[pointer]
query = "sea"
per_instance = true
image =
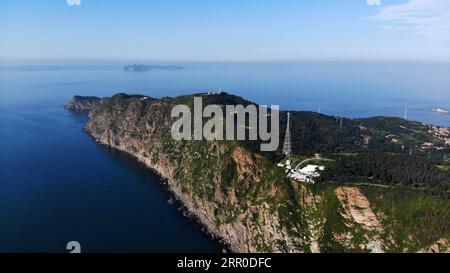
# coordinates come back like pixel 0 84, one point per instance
pixel 57 185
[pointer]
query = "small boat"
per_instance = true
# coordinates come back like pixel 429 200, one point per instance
pixel 440 111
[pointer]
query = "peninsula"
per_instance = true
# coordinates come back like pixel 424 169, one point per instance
pixel 384 186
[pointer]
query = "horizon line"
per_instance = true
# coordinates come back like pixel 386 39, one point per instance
pixel 137 60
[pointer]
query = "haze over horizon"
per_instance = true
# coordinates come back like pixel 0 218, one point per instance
pixel 386 30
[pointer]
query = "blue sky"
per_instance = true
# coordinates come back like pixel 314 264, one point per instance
pixel 225 30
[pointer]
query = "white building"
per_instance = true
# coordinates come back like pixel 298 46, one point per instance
pixel 306 174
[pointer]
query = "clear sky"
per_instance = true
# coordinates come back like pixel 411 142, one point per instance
pixel 225 30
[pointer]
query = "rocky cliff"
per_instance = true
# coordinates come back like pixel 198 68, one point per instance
pixel 242 198
pixel 80 103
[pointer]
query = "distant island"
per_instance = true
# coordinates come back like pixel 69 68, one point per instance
pixel 144 67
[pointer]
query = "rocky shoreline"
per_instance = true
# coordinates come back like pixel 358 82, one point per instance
pixel 173 197
pixel 184 200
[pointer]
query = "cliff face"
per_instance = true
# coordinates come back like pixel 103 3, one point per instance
pixel 245 200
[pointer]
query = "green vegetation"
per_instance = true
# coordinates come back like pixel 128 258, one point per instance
pixel 411 218
pixel 315 133
pixel 390 169
pixel 232 183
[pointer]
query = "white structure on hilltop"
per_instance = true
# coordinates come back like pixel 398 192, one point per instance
pixel 306 174
pixel 311 170
pixel 216 92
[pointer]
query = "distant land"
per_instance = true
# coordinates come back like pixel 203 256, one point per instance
pixel 144 67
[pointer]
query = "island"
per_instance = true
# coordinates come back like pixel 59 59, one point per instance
pixel 144 67
pixel 383 186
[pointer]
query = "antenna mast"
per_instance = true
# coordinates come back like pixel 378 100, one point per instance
pixel 287 149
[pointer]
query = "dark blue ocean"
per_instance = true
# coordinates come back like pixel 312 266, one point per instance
pixel 57 185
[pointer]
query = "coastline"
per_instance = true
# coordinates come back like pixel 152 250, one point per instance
pixel 180 200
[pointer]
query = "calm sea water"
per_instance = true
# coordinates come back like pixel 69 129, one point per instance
pixel 57 185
